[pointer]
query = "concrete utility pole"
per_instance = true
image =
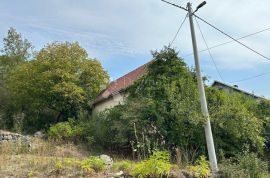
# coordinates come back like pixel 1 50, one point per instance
pixel 207 127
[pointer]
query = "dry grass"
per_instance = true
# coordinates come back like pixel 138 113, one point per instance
pixel 45 159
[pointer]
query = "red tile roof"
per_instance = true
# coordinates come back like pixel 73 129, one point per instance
pixel 121 83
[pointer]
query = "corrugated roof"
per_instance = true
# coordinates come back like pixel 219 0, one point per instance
pixel 121 83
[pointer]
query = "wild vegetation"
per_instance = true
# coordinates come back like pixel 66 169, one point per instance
pixel 170 114
pixel 55 85
pixel 159 127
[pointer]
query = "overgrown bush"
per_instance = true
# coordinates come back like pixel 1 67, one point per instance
pixel 60 79
pixel 125 165
pixel 163 110
pixel 69 131
pixel 253 166
pixel 245 165
pixel 157 166
pixel 87 166
pixel 61 131
pixel 95 163
pixel 234 123
pixel 201 168
pixel 230 169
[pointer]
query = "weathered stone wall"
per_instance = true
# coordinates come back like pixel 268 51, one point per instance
pixel 14 137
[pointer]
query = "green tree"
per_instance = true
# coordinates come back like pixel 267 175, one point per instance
pixel 170 91
pixel 263 112
pixel 163 109
pixel 16 50
pixel 15 46
pixel 62 79
pixel 235 126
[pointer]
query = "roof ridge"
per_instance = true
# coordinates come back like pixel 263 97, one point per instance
pixel 122 82
pixel 236 88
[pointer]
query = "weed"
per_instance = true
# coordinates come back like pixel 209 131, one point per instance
pixel 94 163
pixel 246 165
pixel 125 166
pixel 157 166
pixel 201 169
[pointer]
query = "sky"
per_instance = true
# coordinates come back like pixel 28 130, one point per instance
pixel 122 33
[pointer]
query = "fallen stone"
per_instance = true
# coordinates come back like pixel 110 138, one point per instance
pixel 39 134
pixel 108 160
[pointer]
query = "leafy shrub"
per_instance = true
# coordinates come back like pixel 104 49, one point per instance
pixel 253 166
pixel 58 167
pixel 125 166
pixel 235 126
pixel 157 166
pixel 247 165
pixel 201 169
pixel 230 169
pixel 60 131
pixel 87 166
pixel 168 89
pixel 94 163
pixel 66 131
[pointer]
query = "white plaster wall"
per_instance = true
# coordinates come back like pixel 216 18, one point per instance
pixel 109 103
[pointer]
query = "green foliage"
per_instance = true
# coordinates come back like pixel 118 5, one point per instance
pixel 79 167
pixel 71 130
pixel 163 109
pixel 16 51
pixel 110 130
pixel 125 165
pixel 86 166
pixel 263 112
pixel 201 169
pixel 95 163
pixel 60 81
pixel 235 126
pixel 16 47
pixel 58 167
pixel 157 166
pixel 61 131
pixel 245 165
pixel 253 166
pixel 168 92
pixel 230 169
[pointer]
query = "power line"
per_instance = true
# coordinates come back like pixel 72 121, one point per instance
pixel 210 54
pixel 253 50
pixel 174 38
pixel 221 44
pixel 251 77
pixel 175 5
pixel 182 3
pixel 233 39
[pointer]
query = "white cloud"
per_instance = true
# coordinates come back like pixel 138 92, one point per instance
pixel 127 27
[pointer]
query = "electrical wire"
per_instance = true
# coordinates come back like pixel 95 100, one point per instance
pixel 253 50
pixel 251 77
pixel 175 5
pixel 233 40
pixel 180 4
pixel 221 44
pixel 236 40
pixel 210 54
pixel 175 36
